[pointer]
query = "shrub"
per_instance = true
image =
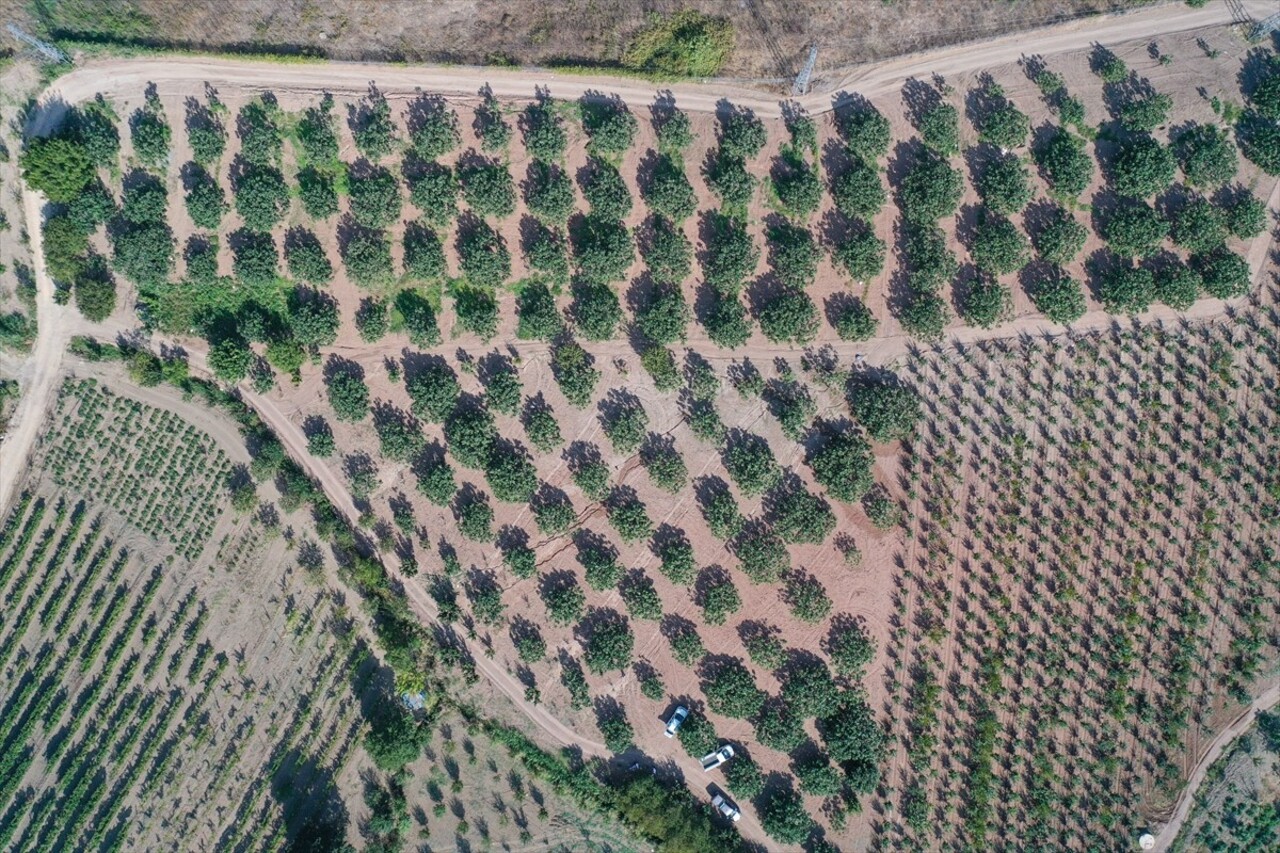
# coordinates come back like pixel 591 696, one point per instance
pixel 641 598
pixel 1142 167
pixel 206 202
pixel 687 648
pixel 793 255
pixel 789 317
pixel 854 321
pixel 592 477
pixel 726 322
pixel 850 647
pixel 313 317
pixel 666 251
pixel 435 480
pixel 930 190
pixel 1059 297
pixel 625 422
pixel 66 249
pixel 1146 114
pixel 783 817
pixel 95 291
pixel 750 462
pixel 554 514
pixel 1178 286
pixel 803 517
pixel 729 178
pixel 665 466
pixel 419 318
pixel 548 192
pixel 842 464
pixel 1108 66
pixel 797 185
pixel 94 127
pixel 741 134
pixel 1199 226
pixel 348 395
pixel 925 316
pixel 315 131
pixel 511 475
pixel 374 195
pixel 150 133
pixel 371 320
pixel 423 253
pixel 628 515
pixel 718 598
pixel 1259 141
pixel 865 131
pixel 806 596
pixel 743 778
pixel 367 257
pixel 571 366
pixel 489 125
pixel 433 127
pixel 852 735
pixel 761 552
pixel 1003 185
pixel 544 135
pixel 861 253
pixel 610 126
pixel 502 389
pixel 92 207
pixel 1246 216
pixel 1206 155
pixel 595 311
pixel 371 125
pixel 434 390
pixel 674 133
pixel 522 562
pixel 1224 273
pixel 764 648
pixel 731 690
pixel 1127 290
pixel 986 303
pixel 306 257
pixel 999 247
pixel 858 191
pixel 1004 126
pixel 433 189
pixel 603 250
pixel 256 259
pixel 475 517
pixel 779 728
pixel 719 509
pixel 730 254
pixel 685 44
pixel 317 192
pixel 940 129
pixel 675 554
pixel 482 255
pixel 544 251
pixel 487 187
pixel 605 191
pixel 563 598
pixel 1066 166
pixel 617 732
pixel 816 775
pixel 808 688
pixel 610 642
pixel 57 166
pixel 1134 229
pixel 229 359
pixel 261 197
pixel 668 191
pixel 663 316
pixel 1060 238
pixel 660 364
pixel 143 252
pixel 886 409
pixel 470 433
pixel 881 509
pixel 539 320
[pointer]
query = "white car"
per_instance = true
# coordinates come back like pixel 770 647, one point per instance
pixel 677 718
pixel 726 808
pixel 715 759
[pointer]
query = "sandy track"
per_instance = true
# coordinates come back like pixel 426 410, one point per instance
pixel 1169 832
pixel 57 324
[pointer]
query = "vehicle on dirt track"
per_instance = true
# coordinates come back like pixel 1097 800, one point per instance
pixel 715 759
pixel 726 808
pixel 678 717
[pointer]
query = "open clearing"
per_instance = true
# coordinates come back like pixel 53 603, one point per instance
pixel 599 563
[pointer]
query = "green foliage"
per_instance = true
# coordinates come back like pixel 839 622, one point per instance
pixel 668 192
pixel 790 316
pixel 865 131
pixel 572 367
pixel 685 44
pixel 502 389
pixel 371 125
pixel 797 185
pixel 144 199
pixel 255 258
pixel 261 197
pixel 595 311
pixel 433 127
pixel 1004 126
pixel 858 191
pixel 940 129
pixel 1127 290
pixel 720 510
pixel 610 126
pixel 666 251
pixel 318 193
pixel 762 553
pixel 887 409
pixel 610 642
pixel 625 422
pixel 1064 163
pixel 348 395
pixel 419 318
pixel 1146 114
pixel 260 140
pixel 605 191
pixel 592 477
pixel 150 134
pixel 731 690
pixel 1199 226
pixel 687 648
pixel 487 187
pixel 779 728
pixel 930 190
pixel 1060 238
pixel 563 599
pixel 617 732
pixel 925 316
pixel 861 253
pixel 881 509
pixel 628 515
pixel 807 687
pixel 730 179
pixel 95 128
pixel 850 647
pixel 393 739
pixel 842 464
pixel 1003 185
pixel 95 291
pixel 1178 286
pixel 1142 167
pixel 435 481
pixel 374 194
pixel 854 321
pixel 544 134
pixel 548 192
pixel 640 596
pixel 1259 141
pixel 57 166
pixel 730 254
pixel 511 475
pixel 367 257
pixel 603 249
pixel 1134 229
pixel 66 248
pixel 229 359
pixel 1246 216
pixel 482 255
pixel 1108 66
pixel 522 562
pixel 489 125
pixel 92 207
pixel 674 132
pixel 475 517
pixel 313 317
pixel 726 322
pixel 741 133
pixel 470 433
pixel 316 134
pixel 664 315
pixel 539 319
pixel 143 252
pixel 372 321
pixel 801 516
pixel 986 303
pixel 433 189
pixel 806 596
pixel 719 599
pixel 1224 273
pixel 793 254
pixel 1059 297
pixel 743 778
pixel 665 466
pixel 675 554
pixel 750 462
pixel 434 390
pixel 783 817
pixel 423 253
pixel 206 202
pixel 928 257
pixel 816 775
pixel 306 257
pixel 554 514
pixel 545 253
pixel 851 733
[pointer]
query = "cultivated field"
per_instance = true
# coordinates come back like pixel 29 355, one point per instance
pixel 600 378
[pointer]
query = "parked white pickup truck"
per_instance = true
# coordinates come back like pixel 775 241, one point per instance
pixel 715 759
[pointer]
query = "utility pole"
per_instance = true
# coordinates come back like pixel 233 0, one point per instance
pixel 801 86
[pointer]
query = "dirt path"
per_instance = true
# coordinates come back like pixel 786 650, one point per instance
pixel 1169 832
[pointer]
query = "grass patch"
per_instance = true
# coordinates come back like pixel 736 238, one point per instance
pixel 686 44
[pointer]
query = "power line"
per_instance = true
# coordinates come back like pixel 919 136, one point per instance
pixel 45 49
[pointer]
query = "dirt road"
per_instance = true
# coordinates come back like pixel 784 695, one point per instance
pixel 1169 832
